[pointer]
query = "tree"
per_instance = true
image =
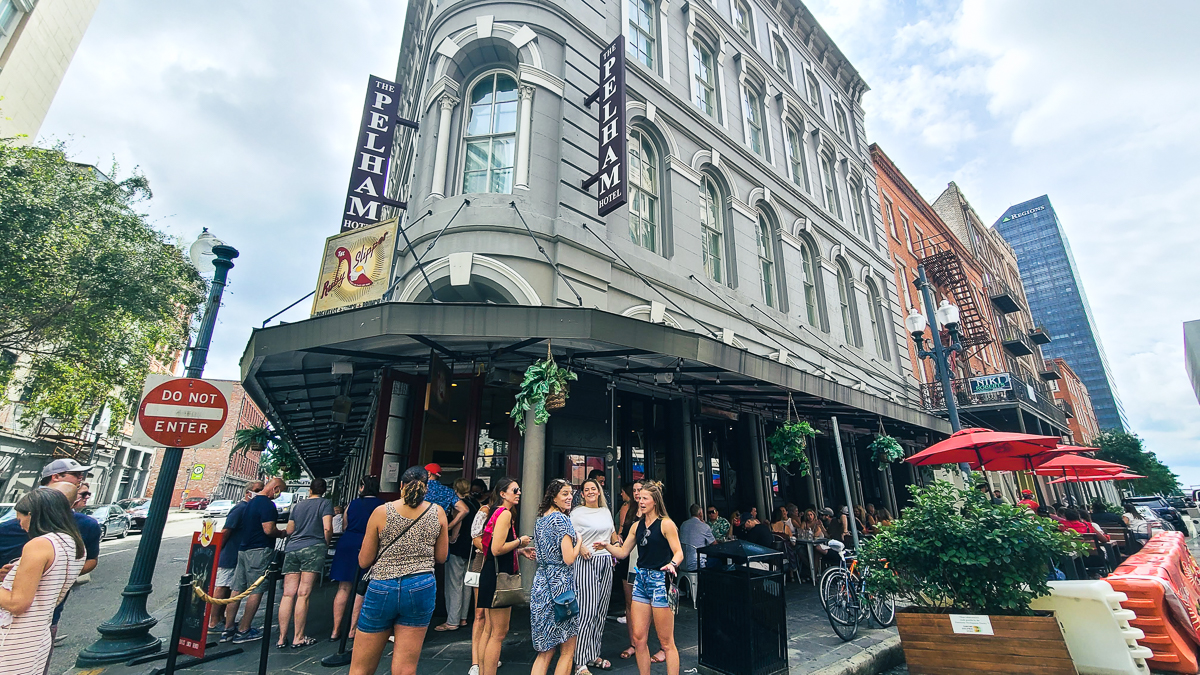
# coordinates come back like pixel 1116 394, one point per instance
pixel 88 289
pixel 1126 448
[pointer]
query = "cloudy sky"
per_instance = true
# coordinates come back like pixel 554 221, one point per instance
pixel 243 116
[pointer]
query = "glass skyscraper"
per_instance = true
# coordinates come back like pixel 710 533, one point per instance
pixel 1058 302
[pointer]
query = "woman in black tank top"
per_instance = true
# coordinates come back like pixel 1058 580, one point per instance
pixel 659 556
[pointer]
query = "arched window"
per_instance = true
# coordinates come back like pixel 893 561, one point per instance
pixel 829 182
pixel 644 189
pixel 712 229
pixel 811 294
pixel 744 20
pixel 783 58
pixel 755 135
pixel 879 323
pixel 704 79
pixel 797 160
pixel 491 135
pixel 814 93
pixel 839 120
pixel 848 305
pixel 642 31
pixel 856 208
pixel 766 261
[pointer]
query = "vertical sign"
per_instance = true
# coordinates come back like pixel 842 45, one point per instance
pixel 614 182
pixel 202 565
pixel 368 178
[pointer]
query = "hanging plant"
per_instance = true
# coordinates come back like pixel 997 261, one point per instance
pixel 885 450
pixel 253 438
pixel 543 389
pixel 788 443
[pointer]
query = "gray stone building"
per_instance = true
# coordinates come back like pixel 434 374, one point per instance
pixel 746 280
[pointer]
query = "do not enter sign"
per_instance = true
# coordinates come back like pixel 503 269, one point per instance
pixel 182 412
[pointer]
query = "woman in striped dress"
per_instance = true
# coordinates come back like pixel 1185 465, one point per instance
pixel 37 581
pixel 593 571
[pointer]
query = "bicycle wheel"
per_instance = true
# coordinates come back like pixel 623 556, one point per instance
pixel 843 608
pixel 883 609
pixel 826 579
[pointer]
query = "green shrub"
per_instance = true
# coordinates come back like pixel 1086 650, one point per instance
pixel 788 443
pixel 954 551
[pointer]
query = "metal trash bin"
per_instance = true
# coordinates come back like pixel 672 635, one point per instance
pixel 743 618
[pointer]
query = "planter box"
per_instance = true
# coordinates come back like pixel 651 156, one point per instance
pixel 1020 644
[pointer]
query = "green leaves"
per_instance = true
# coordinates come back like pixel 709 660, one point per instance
pixel 277 458
pixel 955 550
pixel 788 443
pixel 885 450
pixel 542 379
pixel 1126 448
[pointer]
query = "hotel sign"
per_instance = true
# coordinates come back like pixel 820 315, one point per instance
pixel 368 177
pixel 356 268
pixel 612 155
pixel 988 384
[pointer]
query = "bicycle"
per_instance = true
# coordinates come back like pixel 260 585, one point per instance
pixel 847 600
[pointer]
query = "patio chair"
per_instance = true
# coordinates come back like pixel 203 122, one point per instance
pixel 1102 559
pixel 790 557
pixel 1120 538
pixel 692 578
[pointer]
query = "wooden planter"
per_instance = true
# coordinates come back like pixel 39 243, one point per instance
pixel 1020 644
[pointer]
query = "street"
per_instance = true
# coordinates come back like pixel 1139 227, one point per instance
pixel 94 603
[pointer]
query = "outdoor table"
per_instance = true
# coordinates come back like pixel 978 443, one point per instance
pixel 811 546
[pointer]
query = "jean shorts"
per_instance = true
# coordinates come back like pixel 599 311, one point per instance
pixel 407 601
pixel 650 587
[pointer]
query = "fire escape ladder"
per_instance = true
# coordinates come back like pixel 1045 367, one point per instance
pixel 945 270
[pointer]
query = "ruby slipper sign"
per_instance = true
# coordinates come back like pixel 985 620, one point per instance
pixel 182 412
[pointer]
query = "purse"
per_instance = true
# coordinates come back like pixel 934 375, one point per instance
pixel 474 567
pixel 565 606
pixel 672 592
pixel 509 591
pixel 365 579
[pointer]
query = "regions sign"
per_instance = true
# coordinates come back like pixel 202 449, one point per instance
pixel 613 158
pixel 988 384
pixel 356 268
pixel 182 412
pixel 368 177
pixel 1022 214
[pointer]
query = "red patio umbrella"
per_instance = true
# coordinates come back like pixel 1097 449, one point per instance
pixel 1096 479
pixel 978 446
pixel 1077 466
pixel 1022 460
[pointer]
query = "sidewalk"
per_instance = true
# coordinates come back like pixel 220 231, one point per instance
pixel 812 644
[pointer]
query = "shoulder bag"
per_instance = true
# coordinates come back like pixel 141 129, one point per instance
pixel 365 579
pixel 509 590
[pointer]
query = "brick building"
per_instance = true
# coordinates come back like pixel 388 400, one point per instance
pixel 1072 395
pixel 225 472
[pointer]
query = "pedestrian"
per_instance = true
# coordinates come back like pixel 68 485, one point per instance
pixel 309 529
pixel 39 580
pixel 628 517
pixel 255 551
pixel 556 547
pixel 403 541
pixel 1102 516
pixel 695 534
pixel 1027 500
pixel 479 627
pixel 61 470
pixel 500 542
pixel 457 594
pixel 445 497
pixel 339 520
pixel 345 558
pixel 659 556
pixel 89 531
pixel 227 564
pixel 596 475
pixel 593 572
pixel 998 498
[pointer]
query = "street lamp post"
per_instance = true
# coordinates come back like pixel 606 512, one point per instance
pixel 127 634
pixel 945 315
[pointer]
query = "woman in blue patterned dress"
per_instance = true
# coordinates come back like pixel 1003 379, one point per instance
pixel 557 547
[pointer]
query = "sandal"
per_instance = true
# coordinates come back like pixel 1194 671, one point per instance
pixel 628 653
pixel 659 657
pixel 306 642
pixel 583 670
pixel 445 627
pixel 280 645
pixel 602 664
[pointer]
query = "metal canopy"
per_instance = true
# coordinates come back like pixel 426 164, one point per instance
pixel 288 370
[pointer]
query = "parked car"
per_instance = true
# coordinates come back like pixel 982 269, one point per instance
pixel 1163 508
pixel 112 518
pixel 195 503
pixel 138 509
pixel 219 508
pixel 283 503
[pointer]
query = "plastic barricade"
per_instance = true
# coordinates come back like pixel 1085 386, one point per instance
pixel 1096 628
pixel 1162 585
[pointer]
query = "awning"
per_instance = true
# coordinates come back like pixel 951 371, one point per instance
pixel 288 369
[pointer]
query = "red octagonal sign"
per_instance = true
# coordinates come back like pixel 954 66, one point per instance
pixel 183 412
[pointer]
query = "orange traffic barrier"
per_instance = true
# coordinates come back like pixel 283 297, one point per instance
pixel 1162 582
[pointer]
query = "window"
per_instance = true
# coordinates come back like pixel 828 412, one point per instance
pixel 754 121
pixel 829 178
pixel 919 239
pixel 783 58
pixel 711 228
pixel 491 135
pixel 879 324
pixel 644 191
pixel 797 161
pixel 814 94
pixel 8 12
pixel 839 118
pixel 849 306
pixel 704 80
pixel 642 31
pixel 890 216
pixel 810 284
pixel 766 261
pixel 907 231
pixel 744 20
pixel 856 209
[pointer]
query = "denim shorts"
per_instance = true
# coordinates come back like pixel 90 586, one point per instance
pixel 650 587
pixel 407 601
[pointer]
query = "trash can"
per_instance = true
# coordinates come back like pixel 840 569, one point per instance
pixel 743 619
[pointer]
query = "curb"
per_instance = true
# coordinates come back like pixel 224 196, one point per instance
pixel 874 659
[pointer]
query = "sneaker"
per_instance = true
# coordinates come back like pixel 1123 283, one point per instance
pixel 474 670
pixel 228 635
pixel 249 636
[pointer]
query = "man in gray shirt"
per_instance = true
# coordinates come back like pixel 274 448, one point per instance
pixel 309 530
pixel 694 533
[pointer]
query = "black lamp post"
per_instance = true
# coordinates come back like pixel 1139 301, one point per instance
pixel 945 315
pixel 127 634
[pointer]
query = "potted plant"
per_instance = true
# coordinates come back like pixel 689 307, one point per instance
pixel 278 458
pixel 543 389
pixel 788 443
pixel 885 450
pixel 971 569
pixel 252 438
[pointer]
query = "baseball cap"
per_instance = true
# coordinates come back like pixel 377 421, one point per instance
pixel 846 509
pixel 65 465
pixel 1027 492
pixel 827 511
pixel 433 467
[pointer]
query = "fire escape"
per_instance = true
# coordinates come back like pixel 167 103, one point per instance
pixel 945 271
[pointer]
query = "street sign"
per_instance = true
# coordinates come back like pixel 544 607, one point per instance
pixel 182 412
pixel 202 565
pixel 197 472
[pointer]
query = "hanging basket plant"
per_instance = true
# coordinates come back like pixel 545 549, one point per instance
pixel 885 450
pixel 543 389
pixel 787 446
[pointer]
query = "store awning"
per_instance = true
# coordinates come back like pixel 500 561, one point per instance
pixel 288 370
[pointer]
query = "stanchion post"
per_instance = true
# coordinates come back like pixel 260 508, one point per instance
pixel 185 592
pixel 341 658
pixel 272 576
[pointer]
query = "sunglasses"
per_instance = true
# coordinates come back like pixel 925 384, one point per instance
pixel 516 491
pixel 84 495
